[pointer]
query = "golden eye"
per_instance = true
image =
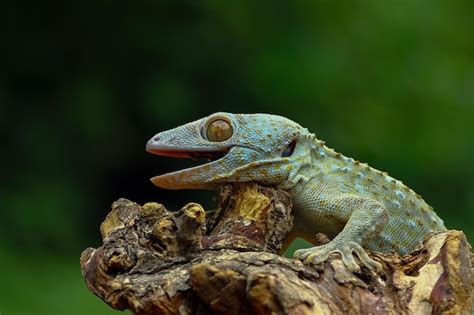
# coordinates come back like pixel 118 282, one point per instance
pixel 219 130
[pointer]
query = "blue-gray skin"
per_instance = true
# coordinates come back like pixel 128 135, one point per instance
pixel 354 204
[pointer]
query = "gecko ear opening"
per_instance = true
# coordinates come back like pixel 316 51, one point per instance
pixel 288 151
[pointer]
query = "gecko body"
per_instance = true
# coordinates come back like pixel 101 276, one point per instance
pixel 354 204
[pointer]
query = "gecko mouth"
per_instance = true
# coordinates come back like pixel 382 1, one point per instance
pixel 208 155
pixel 194 177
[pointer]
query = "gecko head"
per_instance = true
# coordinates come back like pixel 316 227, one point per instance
pixel 263 148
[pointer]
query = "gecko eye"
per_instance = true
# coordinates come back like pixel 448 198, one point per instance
pixel 289 149
pixel 218 131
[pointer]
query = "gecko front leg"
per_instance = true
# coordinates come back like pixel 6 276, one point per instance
pixel 364 217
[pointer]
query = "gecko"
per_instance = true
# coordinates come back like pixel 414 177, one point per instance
pixel 355 205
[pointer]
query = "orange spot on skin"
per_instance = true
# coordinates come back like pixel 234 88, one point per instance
pixel 263 172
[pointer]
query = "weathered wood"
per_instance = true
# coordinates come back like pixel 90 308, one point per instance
pixel 153 261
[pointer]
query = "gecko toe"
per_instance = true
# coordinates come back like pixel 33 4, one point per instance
pixel 365 259
pixel 351 248
pixel 349 260
pixel 302 253
pixel 313 255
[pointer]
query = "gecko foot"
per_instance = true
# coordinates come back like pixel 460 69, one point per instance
pixel 319 254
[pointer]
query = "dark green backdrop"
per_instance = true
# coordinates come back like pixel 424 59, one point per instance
pixel 84 84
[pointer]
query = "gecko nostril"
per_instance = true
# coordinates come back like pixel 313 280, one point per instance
pixel 156 139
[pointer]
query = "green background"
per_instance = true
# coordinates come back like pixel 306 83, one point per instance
pixel 84 85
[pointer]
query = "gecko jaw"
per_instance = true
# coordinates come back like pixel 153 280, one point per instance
pixel 185 178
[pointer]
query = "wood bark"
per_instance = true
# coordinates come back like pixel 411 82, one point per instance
pixel 153 261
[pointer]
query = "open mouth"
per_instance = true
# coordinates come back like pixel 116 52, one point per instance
pixel 208 155
pixel 194 177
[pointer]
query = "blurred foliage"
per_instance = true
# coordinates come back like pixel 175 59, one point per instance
pixel 85 84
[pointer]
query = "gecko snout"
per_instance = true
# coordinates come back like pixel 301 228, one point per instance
pixel 151 143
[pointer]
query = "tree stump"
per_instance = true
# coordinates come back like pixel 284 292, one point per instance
pixel 153 261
